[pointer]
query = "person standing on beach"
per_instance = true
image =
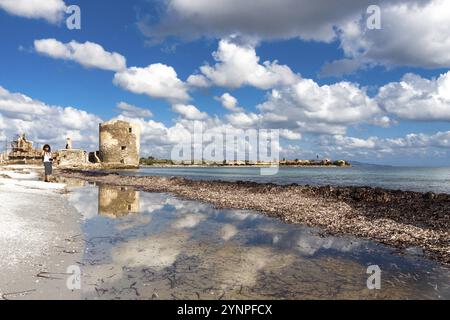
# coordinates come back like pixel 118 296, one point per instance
pixel 48 162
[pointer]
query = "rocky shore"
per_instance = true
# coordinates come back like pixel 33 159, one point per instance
pixel 398 218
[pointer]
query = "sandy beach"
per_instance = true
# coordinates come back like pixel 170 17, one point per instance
pixel 39 236
pixel 397 218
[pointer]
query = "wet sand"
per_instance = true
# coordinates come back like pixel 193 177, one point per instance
pixel 397 218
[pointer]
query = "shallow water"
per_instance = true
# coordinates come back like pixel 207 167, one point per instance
pixel 155 246
pixel 402 178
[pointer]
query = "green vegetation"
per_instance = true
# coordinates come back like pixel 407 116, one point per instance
pixel 323 162
pixel 151 161
pixel 341 163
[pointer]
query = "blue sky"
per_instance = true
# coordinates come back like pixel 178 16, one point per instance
pixel 391 106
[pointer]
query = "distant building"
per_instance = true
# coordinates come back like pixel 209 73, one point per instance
pixel 22 144
pixel 22 150
pixel 119 143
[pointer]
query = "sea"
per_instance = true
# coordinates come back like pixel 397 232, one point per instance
pixel 420 179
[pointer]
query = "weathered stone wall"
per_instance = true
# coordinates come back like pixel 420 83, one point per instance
pixel 71 157
pixel 23 151
pixel 26 156
pixel 22 144
pixel 119 143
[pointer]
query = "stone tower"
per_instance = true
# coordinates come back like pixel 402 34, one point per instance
pixel 120 143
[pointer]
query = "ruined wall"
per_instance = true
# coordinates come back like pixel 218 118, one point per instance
pixel 119 143
pixel 71 157
pixel 23 151
pixel 22 144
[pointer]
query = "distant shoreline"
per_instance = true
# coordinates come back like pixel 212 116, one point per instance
pixel 238 166
pixel 245 164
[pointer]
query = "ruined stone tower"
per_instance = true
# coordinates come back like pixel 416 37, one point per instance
pixel 120 143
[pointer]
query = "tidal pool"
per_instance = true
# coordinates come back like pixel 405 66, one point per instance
pixel 143 245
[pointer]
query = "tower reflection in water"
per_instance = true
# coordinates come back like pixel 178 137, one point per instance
pixel 115 202
pixel 210 253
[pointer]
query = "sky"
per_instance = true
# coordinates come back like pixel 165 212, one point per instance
pixel 324 73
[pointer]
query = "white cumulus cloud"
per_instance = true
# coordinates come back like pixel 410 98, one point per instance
pixel 156 81
pixel 88 54
pixel 238 65
pixel 310 107
pixel 417 98
pixel 50 10
pixel 189 112
pixel 229 102
pixel 129 110
pixel 45 123
pixel 243 119
pixel 413 33
pixel 412 143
